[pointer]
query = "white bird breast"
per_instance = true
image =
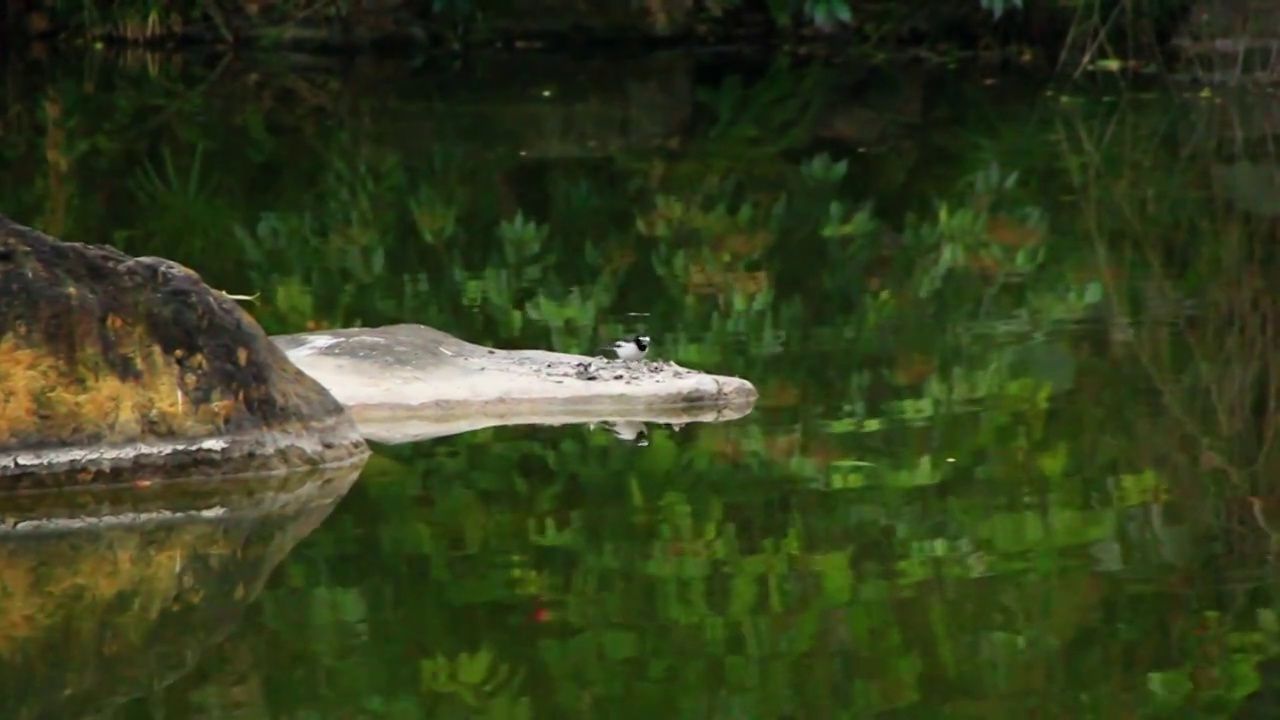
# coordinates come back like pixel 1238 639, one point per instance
pixel 627 350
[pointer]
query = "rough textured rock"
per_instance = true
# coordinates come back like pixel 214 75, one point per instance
pixel 109 361
pixel 111 592
pixel 404 382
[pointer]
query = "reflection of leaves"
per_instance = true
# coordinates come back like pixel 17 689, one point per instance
pixel 821 168
pixel 773 114
pixel 1013 532
pixel 521 238
pixel 151 185
pixel 620 645
pixel 437 220
pixel 857 226
pixel 292 301
pixel 478 680
pixel 181 204
pixel 572 319
pixel 827 14
pixel 1131 489
pixel 973 237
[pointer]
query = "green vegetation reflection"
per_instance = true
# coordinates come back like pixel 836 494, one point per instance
pixel 995 469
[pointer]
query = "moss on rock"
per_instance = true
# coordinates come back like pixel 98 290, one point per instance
pixel 108 361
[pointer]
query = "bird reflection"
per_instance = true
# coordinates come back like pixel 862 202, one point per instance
pixel 632 431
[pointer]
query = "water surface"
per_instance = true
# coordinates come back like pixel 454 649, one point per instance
pixel 1013 345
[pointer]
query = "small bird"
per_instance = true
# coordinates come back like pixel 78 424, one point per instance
pixel 633 348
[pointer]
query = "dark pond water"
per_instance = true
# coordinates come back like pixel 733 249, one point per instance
pixel 1014 347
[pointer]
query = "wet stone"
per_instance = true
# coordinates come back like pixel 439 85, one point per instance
pixel 109 361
